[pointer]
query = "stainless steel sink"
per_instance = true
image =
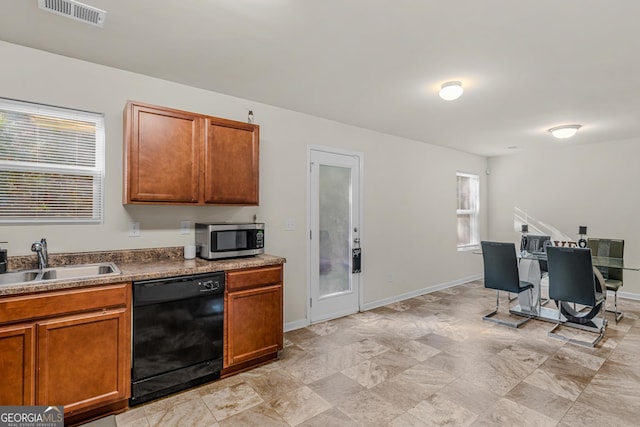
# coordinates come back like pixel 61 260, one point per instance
pixel 18 277
pixel 67 272
pixel 77 271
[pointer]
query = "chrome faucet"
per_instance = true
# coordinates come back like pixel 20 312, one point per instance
pixel 40 248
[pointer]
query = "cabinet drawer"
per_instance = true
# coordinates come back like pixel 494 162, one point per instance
pixel 19 308
pixel 245 279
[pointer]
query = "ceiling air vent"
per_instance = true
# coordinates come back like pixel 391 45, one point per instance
pixel 75 10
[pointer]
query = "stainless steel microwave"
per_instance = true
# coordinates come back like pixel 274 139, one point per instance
pixel 223 240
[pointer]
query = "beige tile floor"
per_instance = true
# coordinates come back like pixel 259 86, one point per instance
pixel 426 361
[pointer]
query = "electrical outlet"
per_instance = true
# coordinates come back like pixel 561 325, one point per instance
pixel 134 229
pixel 185 227
pixel 290 225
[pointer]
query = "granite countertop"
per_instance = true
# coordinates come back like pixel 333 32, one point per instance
pixel 137 264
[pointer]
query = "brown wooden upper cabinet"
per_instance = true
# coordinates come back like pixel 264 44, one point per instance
pixel 177 157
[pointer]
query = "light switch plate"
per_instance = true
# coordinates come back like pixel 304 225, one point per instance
pixel 290 225
pixel 185 227
pixel 134 229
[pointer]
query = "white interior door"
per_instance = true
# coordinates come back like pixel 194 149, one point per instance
pixel 334 219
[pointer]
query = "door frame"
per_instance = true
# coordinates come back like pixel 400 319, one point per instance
pixel 360 283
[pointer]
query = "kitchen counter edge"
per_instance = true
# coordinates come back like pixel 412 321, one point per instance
pixel 135 271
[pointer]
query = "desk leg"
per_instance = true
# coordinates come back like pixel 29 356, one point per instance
pixel 529 271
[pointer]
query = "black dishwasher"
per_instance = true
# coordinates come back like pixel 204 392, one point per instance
pixel 177 334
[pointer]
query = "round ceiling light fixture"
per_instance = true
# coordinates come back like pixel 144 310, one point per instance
pixel 450 91
pixel 564 131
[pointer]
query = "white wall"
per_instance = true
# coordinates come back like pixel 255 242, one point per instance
pixel 593 185
pixel 409 228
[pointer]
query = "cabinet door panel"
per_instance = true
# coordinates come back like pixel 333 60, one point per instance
pixel 254 322
pixel 84 361
pixel 163 149
pixel 17 365
pixel 231 165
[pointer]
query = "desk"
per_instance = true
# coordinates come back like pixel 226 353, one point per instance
pixel 597 261
pixel 529 270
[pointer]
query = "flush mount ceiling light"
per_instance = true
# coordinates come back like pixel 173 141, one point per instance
pixel 451 90
pixel 564 131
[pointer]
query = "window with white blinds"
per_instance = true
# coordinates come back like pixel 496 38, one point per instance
pixel 51 164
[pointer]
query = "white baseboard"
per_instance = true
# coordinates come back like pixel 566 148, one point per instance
pixel 629 295
pixel 302 323
pixel 296 324
pixel 418 292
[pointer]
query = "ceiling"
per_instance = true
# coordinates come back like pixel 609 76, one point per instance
pixel 526 66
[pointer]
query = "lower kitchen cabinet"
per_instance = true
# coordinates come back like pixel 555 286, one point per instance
pixel 70 348
pixel 81 360
pixel 17 365
pixel 253 317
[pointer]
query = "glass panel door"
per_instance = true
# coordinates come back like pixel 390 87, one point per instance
pixel 334 220
pixel 335 236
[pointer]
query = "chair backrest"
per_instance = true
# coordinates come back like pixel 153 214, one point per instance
pixel 500 266
pixel 571 275
pixel 611 248
pixel 535 243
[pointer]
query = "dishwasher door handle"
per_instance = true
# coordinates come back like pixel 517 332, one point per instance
pixel 209 286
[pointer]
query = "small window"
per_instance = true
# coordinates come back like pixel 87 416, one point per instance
pixel 51 164
pixel 468 211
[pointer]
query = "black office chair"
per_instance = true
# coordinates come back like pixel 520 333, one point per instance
pixel 501 274
pixel 572 279
pixel 610 248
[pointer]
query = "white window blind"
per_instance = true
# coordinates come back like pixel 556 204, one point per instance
pixel 468 211
pixel 51 164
